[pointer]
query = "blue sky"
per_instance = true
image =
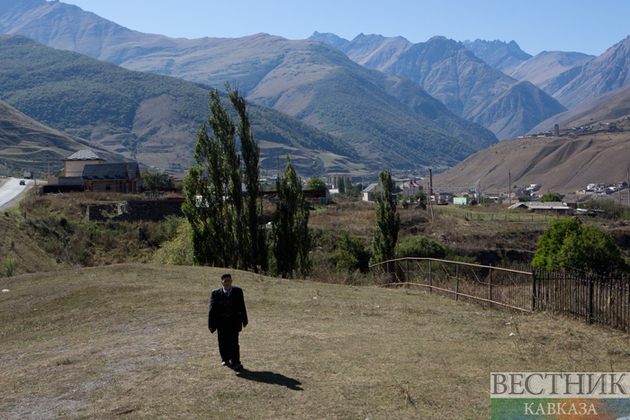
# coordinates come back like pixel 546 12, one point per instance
pixel 586 26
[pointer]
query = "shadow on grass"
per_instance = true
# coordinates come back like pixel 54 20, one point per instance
pixel 271 378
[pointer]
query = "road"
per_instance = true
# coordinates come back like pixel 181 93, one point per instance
pixel 10 189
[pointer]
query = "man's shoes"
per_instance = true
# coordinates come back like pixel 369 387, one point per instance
pixel 228 364
pixel 237 367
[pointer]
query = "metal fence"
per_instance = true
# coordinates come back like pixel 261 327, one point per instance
pixel 485 284
pixel 596 299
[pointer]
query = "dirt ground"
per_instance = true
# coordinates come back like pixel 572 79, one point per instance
pixel 131 341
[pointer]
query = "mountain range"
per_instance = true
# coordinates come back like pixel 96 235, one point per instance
pixel 362 105
pixel 384 118
pixel 451 73
pixel 149 117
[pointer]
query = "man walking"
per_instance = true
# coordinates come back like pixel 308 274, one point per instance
pixel 226 316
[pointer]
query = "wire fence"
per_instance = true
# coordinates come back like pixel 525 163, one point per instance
pixel 593 298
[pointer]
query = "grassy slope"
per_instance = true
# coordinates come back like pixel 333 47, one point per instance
pixel 132 339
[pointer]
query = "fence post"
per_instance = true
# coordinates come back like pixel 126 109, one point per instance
pixel 430 278
pixel 457 284
pixel 533 290
pixel 589 315
pixel 407 274
pixel 490 286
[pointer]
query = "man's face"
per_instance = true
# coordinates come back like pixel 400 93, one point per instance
pixel 227 283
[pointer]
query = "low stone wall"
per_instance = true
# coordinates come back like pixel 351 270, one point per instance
pixel 149 210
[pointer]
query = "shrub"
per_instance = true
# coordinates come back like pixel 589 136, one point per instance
pixel 351 254
pixel 177 251
pixel 613 209
pixel 550 197
pixel 9 266
pixel 422 247
pixel 568 244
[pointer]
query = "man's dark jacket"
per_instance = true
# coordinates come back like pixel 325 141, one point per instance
pixel 227 312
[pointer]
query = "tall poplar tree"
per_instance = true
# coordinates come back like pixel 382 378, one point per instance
pixel 214 196
pixel 291 238
pixel 385 232
pixel 255 250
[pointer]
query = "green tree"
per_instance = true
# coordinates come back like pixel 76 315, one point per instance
pixel 255 250
pixel 387 221
pixel 568 244
pixel 342 185
pixel 213 187
pixel 154 181
pixel 291 238
pixel 422 247
pixel 316 184
pixel 351 254
pixel 550 197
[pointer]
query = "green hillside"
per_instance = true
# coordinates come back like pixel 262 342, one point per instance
pixel 145 116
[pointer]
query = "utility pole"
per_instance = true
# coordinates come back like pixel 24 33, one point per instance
pixel 510 186
pixel 431 193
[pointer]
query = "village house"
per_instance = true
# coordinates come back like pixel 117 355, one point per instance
pixel 112 177
pixel 411 188
pixel 371 192
pixel 73 164
pixel 545 207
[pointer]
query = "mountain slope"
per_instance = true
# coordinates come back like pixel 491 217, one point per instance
pixel 451 73
pixel 582 112
pixel 150 117
pixel 372 51
pixel 295 77
pixel 544 69
pixel 497 54
pixel 607 72
pixel 25 143
pixel 560 165
pixel 472 89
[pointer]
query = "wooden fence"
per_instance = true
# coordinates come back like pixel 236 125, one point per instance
pixel 596 299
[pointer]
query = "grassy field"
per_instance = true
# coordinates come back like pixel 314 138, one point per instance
pixel 131 341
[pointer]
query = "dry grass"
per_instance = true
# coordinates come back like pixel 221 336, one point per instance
pixel 131 340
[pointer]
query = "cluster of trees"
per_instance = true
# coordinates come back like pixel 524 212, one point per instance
pixel 225 223
pixel 567 244
pixel 348 189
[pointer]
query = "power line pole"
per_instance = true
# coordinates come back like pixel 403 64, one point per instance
pixel 510 187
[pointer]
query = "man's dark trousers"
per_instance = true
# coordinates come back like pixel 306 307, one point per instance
pixel 228 345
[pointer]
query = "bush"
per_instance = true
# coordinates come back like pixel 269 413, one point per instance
pixel 613 209
pixel 177 251
pixel 568 244
pixel 422 247
pixel 351 254
pixel 9 266
pixel 550 197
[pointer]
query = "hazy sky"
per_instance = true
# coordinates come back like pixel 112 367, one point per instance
pixel 587 26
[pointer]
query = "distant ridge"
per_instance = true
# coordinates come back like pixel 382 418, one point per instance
pixel 500 55
pixel 463 82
